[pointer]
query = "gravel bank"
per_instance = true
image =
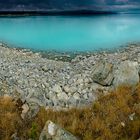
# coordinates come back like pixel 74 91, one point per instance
pixel 57 84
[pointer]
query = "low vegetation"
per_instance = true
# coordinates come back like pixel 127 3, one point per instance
pixel 115 116
pixel 10 120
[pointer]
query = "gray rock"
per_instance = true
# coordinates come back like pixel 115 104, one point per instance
pixel 61 103
pixel 85 96
pixel 62 96
pixel 73 89
pixel 52 131
pixel 94 87
pixel 72 102
pixel 79 81
pixel 57 89
pixel 102 73
pixel 33 110
pixel 76 96
pixel 66 89
pixel 25 109
pixel 45 68
pixel 49 103
pixel 126 74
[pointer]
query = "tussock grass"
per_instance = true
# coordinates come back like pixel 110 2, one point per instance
pixel 115 116
pixel 10 120
pixel 109 118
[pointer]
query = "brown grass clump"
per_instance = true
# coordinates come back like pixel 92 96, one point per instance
pixel 9 118
pixel 115 116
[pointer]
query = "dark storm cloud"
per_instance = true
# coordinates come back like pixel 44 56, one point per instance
pixel 110 2
pixel 70 4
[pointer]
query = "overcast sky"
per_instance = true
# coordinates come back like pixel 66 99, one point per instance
pixel 100 4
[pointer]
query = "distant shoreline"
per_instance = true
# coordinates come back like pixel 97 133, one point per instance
pixel 67 56
pixel 55 13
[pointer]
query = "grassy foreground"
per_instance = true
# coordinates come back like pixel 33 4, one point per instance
pixel 115 116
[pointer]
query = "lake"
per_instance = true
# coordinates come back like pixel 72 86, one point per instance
pixel 70 33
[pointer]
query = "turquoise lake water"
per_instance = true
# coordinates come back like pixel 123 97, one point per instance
pixel 70 33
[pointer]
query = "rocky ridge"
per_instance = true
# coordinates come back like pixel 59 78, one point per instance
pixel 54 84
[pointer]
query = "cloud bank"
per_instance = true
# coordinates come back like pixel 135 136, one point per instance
pixel 70 4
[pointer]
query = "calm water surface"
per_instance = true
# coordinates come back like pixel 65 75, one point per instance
pixel 68 33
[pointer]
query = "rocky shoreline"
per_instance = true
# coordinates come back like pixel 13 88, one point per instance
pixel 39 81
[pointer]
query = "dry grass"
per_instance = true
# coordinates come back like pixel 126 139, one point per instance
pixel 9 118
pixel 109 118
